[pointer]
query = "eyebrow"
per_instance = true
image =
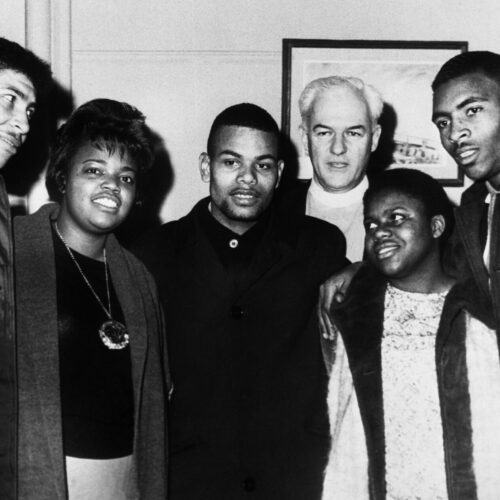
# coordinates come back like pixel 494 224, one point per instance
pixel 103 162
pixel 93 160
pixel 21 94
pixel 237 155
pixel 460 106
pixel 129 168
pixel 320 125
pixel 353 127
pixel 357 127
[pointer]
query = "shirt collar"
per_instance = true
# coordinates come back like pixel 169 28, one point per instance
pixel 351 197
pixel 491 192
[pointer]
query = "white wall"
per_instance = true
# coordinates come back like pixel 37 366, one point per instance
pixel 183 61
pixel 12 20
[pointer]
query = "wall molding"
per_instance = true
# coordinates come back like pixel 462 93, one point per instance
pixel 48 34
pixel 177 53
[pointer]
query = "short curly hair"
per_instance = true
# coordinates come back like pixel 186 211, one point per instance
pixel 106 124
pixel 465 63
pixel 17 58
pixel 242 115
pixel 416 185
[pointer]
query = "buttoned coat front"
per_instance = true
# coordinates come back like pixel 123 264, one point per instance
pixel 248 412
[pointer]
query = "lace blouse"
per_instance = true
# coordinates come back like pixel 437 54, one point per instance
pixel 414 450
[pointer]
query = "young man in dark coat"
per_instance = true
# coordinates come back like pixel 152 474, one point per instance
pixel 23 80
pixel 239 285
pixel 466 111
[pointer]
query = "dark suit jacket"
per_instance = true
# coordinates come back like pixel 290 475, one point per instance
pixel 8 382
pixel 291 197
pixel 249 406
pixel 465 251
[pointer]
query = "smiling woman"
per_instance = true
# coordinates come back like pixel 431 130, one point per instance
pixel 414 366
pixel 90 329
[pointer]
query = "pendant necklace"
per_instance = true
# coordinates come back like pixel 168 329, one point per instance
pixel 112 333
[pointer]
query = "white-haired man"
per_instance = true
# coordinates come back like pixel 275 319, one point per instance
pixel 340 130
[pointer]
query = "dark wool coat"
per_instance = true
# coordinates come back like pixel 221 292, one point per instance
pixel 248 414
pixel 360 321
pixel 291 196
pixel 41 460
pixel 7 355
pixel 466 248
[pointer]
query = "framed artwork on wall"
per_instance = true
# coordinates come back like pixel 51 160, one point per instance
pixel 402 71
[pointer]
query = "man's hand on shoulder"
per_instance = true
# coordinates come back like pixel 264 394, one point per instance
pixel 333 289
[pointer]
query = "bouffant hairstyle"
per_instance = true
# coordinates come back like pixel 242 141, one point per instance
pixel 108 125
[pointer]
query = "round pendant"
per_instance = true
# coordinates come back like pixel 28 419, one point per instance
pixel 113 334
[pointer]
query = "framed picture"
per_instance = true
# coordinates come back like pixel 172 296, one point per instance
pixel 402 71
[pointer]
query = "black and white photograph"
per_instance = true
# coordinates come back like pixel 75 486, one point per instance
pixel 249 250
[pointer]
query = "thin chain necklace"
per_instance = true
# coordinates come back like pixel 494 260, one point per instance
pixel 112 333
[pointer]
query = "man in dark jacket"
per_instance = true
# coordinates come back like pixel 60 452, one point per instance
pixel 466 111
pixel 23 77
pixel 239 285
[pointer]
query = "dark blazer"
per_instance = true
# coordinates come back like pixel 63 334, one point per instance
pixel 249 407
pixel 41 459
pixel 291 197
pixel 466 246
pixel 8 431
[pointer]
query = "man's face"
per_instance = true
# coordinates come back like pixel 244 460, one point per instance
pixel 339 138
pixel 17 105
pixel 243 174
pixel 466 111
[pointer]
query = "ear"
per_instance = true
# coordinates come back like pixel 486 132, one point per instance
pixel 281 165
pixel 204 166
pixel 438 225
pixel 377 130
pixel 305 139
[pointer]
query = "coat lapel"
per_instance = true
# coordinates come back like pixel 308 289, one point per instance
pixel 132 304
pixel 468 220
pixel 40 437
pixel 270 253
pixel 360 319
pixel 198 256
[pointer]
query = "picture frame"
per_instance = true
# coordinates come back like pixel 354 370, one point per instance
pixel 402 71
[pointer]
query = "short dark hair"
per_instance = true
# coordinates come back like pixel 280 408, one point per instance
pixel 106 124
pixel 242 115
pixel 465 63
pixel 419 186
pixel 17 58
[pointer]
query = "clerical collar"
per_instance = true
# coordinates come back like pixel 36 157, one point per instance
pixel 491 191
pixel 351 197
